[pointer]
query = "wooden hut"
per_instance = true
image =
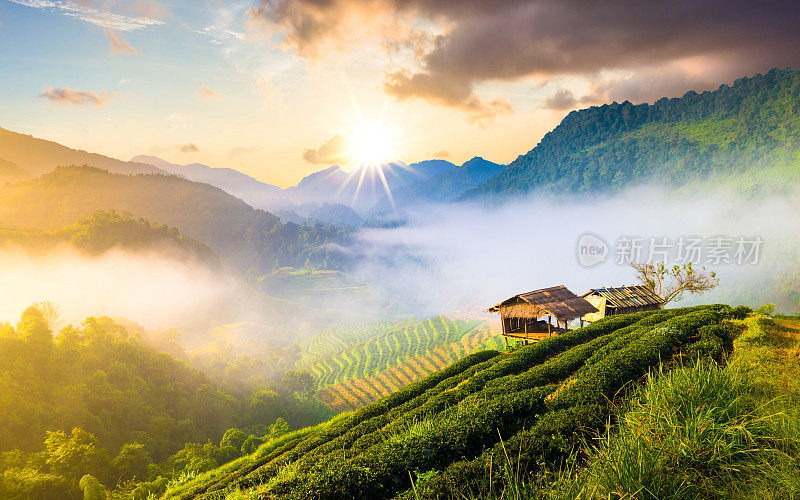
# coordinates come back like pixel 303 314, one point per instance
pixel 523 315
pixel 623 300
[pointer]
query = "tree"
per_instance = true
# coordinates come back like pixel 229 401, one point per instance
pixel 92 489
pixel 670 283
pixel 75 455
pixel 131 462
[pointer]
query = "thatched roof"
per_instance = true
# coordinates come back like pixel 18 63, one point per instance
pixel 627 296
pixel 555 301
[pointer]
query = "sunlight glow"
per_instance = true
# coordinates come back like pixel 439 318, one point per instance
pixel 371 145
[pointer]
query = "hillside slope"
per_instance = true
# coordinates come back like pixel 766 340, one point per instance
pixel 541 400
pixel 11 173
pixel 246 236
pixel 105 230
pixel 747 134
pixel 39 156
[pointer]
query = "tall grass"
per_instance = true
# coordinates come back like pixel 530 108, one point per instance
pixel 700 431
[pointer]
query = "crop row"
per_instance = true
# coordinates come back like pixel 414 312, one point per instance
pixel 349 394
pixel 542 399
pixel 391 347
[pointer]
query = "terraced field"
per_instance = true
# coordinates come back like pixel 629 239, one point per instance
pixel 441 436
pixel 354 366
pixel 353 394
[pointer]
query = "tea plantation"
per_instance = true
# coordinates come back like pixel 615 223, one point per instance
pixel 436 437
pixel 356 364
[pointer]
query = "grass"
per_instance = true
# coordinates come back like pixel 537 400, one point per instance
pixel 697 431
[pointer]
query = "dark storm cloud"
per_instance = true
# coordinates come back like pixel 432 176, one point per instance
pixel 511 39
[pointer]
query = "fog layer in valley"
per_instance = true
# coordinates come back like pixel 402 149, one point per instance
pixel 150 288
pixel 468 256
pixel 447 258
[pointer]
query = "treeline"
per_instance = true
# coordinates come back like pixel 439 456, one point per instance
pixel 750 127
pixel 107 229
pixel 94 399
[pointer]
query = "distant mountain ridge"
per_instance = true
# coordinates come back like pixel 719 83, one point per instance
pixel 362 188
pixel 39 156
pixel 256 193
pixel 746 135
pixel 448 185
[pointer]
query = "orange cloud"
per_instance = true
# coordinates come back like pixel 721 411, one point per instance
pixel 118 44
pixel 207 93
pixel 66 95
pixel 189 148
pixel 334 150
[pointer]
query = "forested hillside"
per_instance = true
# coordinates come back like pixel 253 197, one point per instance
pixel 746 135
pixel 105 230
pixel 246 236
pixel 440 437
pixel 95 399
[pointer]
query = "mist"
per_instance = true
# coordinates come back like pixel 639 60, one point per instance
pixel 151 288
pixel 468 256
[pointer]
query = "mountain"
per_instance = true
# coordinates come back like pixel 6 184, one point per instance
pixel 11 173
pixel 746 135
pixel 252 191
pixel 447 186
pixel 246 236
pixel 39 156
pixel 362 188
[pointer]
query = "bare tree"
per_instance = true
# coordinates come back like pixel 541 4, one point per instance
pixel 670 283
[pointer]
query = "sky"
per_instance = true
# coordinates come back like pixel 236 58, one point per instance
pixel 282 88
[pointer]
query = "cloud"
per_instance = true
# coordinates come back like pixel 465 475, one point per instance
pixel 189 148
pixel 118 44
pixel 334 150
pixel 120 15
pixel 66 95
pixel 207 93
pixel 441 154
pixel 452 93
pixel 562 99
pixel 473 42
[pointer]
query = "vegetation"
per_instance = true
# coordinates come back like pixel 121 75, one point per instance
pixel 444 432
pixel 355 365
pixel 96 400
pixel 671 283
pixel 702 430
pixel 106 229
pixel 249 238
pixel 747 134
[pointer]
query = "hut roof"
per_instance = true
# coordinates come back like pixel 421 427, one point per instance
pixel 627 296
pixel 557 301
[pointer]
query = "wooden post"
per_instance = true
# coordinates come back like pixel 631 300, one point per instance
pixel 549 332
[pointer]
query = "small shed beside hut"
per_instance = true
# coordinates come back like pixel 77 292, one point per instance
pixel 522 315
pixel 622 300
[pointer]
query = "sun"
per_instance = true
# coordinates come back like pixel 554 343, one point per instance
pixel 371 145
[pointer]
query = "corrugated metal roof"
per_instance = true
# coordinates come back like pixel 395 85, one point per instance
pixel 557 301
pixel 627 296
